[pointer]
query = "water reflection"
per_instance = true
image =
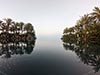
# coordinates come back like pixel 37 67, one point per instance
pixel 88 52
pixel 19 48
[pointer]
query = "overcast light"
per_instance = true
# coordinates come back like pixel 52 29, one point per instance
pixel 47 16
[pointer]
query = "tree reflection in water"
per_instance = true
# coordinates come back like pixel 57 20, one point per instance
pixel 16 38
pixel 88 52
pixel 9 49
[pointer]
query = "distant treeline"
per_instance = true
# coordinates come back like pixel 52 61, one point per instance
pixel 87 29
pixel 11 31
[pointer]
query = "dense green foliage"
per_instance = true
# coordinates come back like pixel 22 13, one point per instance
pixel 87 28
pixel 11 31
pixel 10 26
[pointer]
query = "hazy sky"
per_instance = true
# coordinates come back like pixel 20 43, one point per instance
pixel 47 16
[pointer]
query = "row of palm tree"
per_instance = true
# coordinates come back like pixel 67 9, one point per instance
pixel 8 25
pixel 11 31
pixel 87 27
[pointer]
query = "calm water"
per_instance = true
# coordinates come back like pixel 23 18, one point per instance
pixel 47 57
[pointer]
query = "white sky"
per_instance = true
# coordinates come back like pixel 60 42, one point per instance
pixel 47 16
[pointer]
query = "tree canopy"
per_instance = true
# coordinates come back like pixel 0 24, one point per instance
pixel 11 31
pixel 87 27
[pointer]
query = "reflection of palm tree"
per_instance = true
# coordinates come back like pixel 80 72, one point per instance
pixel 87 43
pixel 68 46
pixel 82 26
pixel 16 49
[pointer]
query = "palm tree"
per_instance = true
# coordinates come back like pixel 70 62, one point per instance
pixel 66 31
pixel 1 25
pixel 71 30
pixel 96 14
pixel 29 28
pixel 84 23
pixel 7 24
pixel 12 27
pixel 17 27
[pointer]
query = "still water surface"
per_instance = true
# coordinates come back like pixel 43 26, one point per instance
pixel 48 57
